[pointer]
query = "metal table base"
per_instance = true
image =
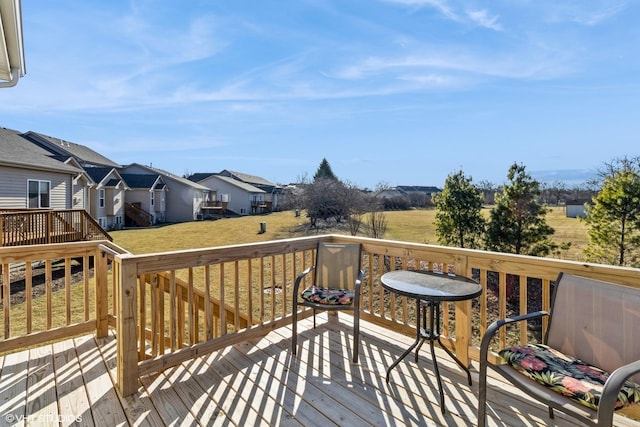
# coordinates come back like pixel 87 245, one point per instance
pixel 431 333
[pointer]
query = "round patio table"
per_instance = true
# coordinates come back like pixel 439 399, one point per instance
pixel 429 289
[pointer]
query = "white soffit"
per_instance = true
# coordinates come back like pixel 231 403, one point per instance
pixel 12 64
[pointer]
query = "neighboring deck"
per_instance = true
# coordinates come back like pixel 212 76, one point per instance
pixel 20 227
pixel 259 383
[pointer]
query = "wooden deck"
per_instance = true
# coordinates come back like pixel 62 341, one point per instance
pixel 258 383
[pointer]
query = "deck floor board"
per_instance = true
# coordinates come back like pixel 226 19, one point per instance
pixel 260 383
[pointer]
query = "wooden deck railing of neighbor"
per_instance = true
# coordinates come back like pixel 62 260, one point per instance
pixel 36 227
pixel 173 306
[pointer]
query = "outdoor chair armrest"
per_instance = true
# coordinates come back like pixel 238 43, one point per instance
pixel 495 327
pixel 296 285
pixel 611 388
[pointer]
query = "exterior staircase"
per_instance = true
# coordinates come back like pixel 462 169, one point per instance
pixel 137 215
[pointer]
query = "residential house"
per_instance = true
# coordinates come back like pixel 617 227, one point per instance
pixel 146 199
pixel 183 198
pixel 388 193
pixel 242 198
pixel 107 207
pixel 427 191
pixel 30 178
pixel 272 192
pixel 62 150
pixel 89 194
pixel 411 195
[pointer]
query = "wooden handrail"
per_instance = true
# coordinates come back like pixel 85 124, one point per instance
pixel 139 215
pixel 37 226
pixel 72 279
pixel 173 306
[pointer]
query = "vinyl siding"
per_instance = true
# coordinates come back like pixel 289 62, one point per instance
pixel 182 201
pixel 239 199
pixel 13 187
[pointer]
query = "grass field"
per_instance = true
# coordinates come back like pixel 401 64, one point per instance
pixel 410 226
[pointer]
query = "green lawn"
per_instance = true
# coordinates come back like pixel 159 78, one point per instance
pixel 411 226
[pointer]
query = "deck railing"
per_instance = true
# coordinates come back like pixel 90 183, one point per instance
pixel 174 306
pixel 37 227
pixel 50 292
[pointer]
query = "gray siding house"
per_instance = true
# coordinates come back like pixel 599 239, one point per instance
pixel 272 192
pixel 148 193
pixel 30 178
pixel 183 197
pixel 98 197
pixel 108 194
pixel 241 198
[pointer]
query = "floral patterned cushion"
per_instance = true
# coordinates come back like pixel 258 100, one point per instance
pixel 566 375
pixel 318 295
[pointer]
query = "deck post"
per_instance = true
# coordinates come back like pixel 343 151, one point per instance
pixel 126 337
pixel 463 331
pixel 102 294
pixel 49 219
pixel 463 317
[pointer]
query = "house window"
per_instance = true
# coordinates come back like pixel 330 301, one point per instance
pixel 39 193
pixel 153 198
pixel 101 197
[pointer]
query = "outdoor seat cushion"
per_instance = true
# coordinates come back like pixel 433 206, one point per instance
pixel 328 296
pixel 566 375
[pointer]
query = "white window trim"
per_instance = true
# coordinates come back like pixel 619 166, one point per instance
pixel 39 181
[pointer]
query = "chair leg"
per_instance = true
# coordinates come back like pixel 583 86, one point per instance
pixel 294 328
pixel 482 396
pixel 356 335
pixel 314 318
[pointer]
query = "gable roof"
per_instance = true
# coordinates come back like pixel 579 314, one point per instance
pixel 62 150
pixel 105 177
pixel 16 151
pixel 200 176
pixel 146 182
pixel 417 189
pixel 169 175
pixel 242 185
pixel 244 177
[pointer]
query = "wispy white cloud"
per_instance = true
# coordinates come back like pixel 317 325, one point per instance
pixel 447 8
pixel 482 18
pixel 585 13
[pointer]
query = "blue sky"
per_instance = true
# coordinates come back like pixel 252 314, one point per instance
pixel 402 92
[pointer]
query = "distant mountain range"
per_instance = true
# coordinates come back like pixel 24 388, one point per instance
pixel 570 177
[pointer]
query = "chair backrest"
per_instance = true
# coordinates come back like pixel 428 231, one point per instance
pixel 595 321
pixel 337 265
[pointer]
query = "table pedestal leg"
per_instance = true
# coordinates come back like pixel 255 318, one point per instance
pixel 431 333
pixel 419 340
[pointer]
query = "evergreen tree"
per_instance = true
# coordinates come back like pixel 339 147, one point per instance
pixel 324 171
pixel 614 218
pixel 459 221
pixel 517 223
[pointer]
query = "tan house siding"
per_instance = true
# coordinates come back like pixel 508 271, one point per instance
pixel 79 200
